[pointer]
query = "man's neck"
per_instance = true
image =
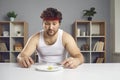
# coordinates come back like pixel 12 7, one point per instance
pixel 50 39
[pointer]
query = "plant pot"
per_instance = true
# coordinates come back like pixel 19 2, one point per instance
pixel 12 18
pixel 89 18
pixel 19 35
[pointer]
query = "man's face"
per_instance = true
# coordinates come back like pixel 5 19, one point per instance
pixel 51 27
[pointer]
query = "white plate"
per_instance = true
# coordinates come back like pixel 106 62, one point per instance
pixel 49 68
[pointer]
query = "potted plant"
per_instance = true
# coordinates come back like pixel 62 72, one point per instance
pixel 12 15
pixel 89 13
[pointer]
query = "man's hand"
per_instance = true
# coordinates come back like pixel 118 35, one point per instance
pixel 71 62
pixel 25 61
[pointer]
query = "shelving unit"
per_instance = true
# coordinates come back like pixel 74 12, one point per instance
pixel 88 34
pixel 13 35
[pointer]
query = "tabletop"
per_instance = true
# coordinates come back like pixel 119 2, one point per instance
pixel 86 71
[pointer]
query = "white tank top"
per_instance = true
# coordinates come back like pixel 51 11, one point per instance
pixel 55 53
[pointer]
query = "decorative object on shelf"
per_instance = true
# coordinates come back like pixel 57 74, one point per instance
pixel 89 13
pixel 18 33
pixel 5 33
pixel 11 15
pixel 83 34
pixel 78 32
pixel 18 47
pixel 85 47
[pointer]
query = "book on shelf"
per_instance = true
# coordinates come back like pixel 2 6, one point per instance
pixel 0 31
pixel 0 57
pixel 99 46
pixel 100 60
pixel 3 47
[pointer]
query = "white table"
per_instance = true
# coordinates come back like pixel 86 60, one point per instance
pixel 106 71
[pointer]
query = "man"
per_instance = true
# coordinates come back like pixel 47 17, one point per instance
pixel 51 43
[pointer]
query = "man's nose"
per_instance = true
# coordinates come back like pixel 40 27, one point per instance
pixel 51 26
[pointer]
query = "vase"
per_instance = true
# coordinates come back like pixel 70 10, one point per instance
pixel 12 18
pixel 89 18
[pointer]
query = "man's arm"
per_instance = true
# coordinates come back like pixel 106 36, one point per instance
pixel 76 58
pixel 24 58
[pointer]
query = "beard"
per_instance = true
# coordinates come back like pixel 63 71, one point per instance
pixel 51 32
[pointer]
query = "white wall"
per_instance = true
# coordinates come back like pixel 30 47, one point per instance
pixel 115 23
pixel 115 30
pixel 117 26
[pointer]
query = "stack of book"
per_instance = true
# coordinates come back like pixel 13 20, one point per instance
pixel 99 46
pixel 100 60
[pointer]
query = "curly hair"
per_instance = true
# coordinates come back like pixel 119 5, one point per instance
pixel 51 14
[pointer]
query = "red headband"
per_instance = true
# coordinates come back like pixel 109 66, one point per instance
pixel 51 19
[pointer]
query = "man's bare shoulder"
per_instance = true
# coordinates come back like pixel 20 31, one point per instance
pixel 66 35
pixel 67 38
pixel 35 36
